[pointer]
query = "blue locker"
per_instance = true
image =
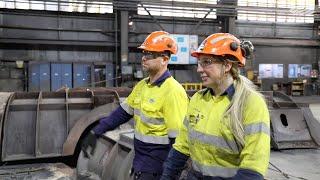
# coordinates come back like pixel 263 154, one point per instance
pixel 34 78
pixel 55 76
pixel 81 75
pixel 66 75
pixel 60 76
pixel 109 75
pixel 44 77
pixel 39 77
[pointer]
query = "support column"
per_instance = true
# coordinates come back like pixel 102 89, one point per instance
pixel 124 29
pixel 124 37
pixel 227 16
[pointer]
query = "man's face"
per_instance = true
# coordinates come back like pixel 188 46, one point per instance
pixel 152 61
pixel 211 70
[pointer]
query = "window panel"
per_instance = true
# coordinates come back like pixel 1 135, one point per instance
pixel 66 5
pixel 9 4
pixel 176 11
pixel 37 5
pixel 78 6
pixel 22 4
pixel 106 7
pixel 51 6
pixel 291 11
pixel 2 4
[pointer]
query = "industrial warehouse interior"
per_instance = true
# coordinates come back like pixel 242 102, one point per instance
pixel 67 64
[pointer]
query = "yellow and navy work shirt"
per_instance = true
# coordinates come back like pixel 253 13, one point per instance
pixel 209 141
pixel 158 110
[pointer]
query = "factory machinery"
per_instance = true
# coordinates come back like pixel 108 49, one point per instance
pixel 39 126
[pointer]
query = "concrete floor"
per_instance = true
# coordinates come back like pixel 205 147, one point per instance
pixel 57 171
pixel 296 163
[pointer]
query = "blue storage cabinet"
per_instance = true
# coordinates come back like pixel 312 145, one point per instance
pixel 33 77
pixel 81 75
pixel 109 75
pixel 61 76
pixel 39 77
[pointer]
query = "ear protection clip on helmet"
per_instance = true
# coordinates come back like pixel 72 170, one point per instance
pixel 247 48
pixel 234 46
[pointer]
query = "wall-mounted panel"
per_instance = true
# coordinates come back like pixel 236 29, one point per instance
pixel 39 77
pixel 81 75
pixel 61 76
pixel 45 77
pixel 34 77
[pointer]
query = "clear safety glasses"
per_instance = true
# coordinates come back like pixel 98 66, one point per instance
pixel 207 61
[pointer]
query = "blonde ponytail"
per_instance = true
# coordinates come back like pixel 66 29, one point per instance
pixel 235 111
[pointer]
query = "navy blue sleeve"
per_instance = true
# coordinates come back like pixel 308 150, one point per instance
pixel 115 119
pixel 246 174
pixel 174 165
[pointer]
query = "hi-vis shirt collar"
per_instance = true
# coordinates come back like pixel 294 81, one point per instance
pixel 229 92
pixel 161 79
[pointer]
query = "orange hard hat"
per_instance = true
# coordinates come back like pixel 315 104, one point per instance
pixel 159 41
pixel 221 44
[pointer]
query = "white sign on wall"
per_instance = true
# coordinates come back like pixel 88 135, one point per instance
pixel 271 70
pixel 186 45
pixel 193 42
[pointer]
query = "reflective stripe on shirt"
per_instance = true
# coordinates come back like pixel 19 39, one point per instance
pixel 127 108
pixel 172 133
pixel 256 128
pixel 214 171
pixel 145 119
pixel 216 141
pixel 151 139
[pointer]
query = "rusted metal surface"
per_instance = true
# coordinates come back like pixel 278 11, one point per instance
pixel 112 158
pixel 4 97
pixel 49 124
pixel 289 128
pixel 82 123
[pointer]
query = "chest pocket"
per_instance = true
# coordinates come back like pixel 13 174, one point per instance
pixel 151 112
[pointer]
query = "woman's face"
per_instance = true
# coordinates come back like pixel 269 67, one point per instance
pixel 211 70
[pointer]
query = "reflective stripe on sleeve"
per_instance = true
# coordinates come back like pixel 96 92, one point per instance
pixel 151 139
pixel 256 128
pixel 214 170
pixel 127 108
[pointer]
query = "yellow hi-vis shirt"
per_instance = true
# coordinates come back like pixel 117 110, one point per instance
pixel 210 143
pixel 158 110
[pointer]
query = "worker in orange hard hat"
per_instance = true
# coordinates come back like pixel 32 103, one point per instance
pixel 227 125
pixel 158 46
pixel 157 104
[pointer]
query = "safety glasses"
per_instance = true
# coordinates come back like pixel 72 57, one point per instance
pixel 151 55
pixel 207 61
